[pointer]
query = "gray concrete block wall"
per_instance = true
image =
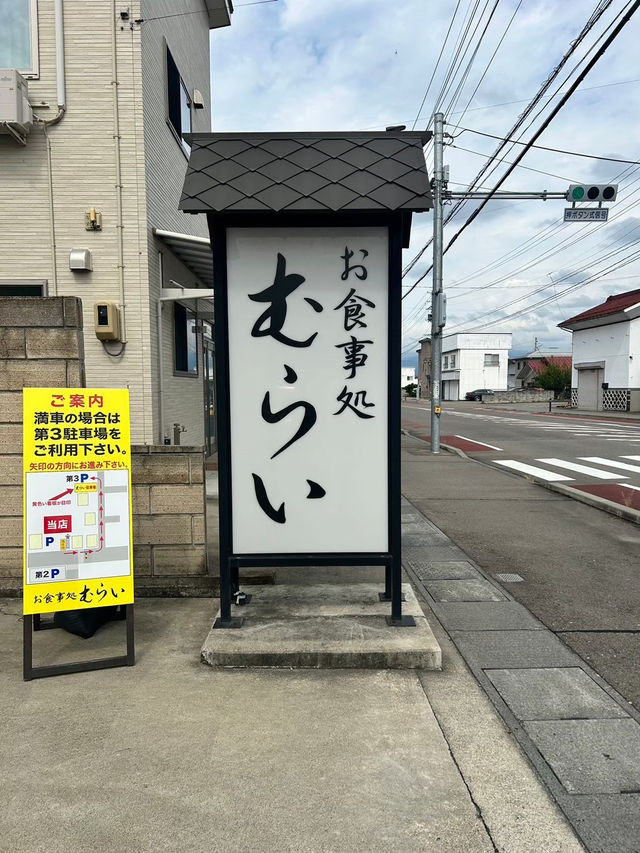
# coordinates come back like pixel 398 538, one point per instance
pixel 41 344
pixel 169 521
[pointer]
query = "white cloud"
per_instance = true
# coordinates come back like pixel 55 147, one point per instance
pixel 362 64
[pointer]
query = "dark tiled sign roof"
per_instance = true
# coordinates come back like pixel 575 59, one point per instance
pixel 612 305
pixel 276 172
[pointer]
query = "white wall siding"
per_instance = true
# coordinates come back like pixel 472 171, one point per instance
pixel 611 344
pixel 83 176
pixel 187 37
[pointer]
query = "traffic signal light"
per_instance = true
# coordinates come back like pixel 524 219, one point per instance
pixel 592 192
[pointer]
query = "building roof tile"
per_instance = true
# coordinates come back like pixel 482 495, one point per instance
pixel 612 305
pixel 306 171
pixel 539 365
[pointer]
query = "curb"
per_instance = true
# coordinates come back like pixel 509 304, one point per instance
pixel 626 513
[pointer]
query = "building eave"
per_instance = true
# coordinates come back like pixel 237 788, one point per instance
pixel 194 252
pixel 595 322
pixel 219 12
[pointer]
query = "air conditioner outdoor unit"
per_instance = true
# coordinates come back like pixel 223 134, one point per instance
pixel 16 115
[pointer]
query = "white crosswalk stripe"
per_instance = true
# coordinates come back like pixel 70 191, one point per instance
pixel 611 463
pixel 577 467
pixel 611 432
pixel 550 476
pixel 581 469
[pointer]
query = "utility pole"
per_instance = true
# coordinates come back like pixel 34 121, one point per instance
pixel 437 306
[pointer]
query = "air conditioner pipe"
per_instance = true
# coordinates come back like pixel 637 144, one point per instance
pixel 61 86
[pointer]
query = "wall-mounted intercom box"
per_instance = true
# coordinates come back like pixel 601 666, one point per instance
pixel 106 321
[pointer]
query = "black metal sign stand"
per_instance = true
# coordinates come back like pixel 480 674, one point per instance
pixel 34 622
pixel 230 562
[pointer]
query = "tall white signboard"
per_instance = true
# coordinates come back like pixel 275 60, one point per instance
pixel 308 350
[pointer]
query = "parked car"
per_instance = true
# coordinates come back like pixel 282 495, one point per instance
pixel 477 394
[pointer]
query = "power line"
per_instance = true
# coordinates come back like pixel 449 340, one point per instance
pixel 569 240
pixel 527 310
pixel 490 62
pixel 507 163
pixel 546 232
pixel 590 279
pixel 197 12
pixel 595 16
pixel 546 148
pixel 624 19
pixel 444 43
pixel 543 235
pixel 505 103
pixel 546 255
pixel 467 71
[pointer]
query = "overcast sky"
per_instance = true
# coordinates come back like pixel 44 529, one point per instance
pixel 306 65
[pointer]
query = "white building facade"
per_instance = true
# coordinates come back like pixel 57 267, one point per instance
pixel 408 376
pixel 114 89
pixel 606 355
pixel 472 361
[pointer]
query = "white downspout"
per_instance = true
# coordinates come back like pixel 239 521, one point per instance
pixel 60 76
pixel 61 86
pixel 118 164
pixel 61 97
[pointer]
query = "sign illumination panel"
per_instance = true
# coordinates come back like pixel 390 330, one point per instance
pixel 308 368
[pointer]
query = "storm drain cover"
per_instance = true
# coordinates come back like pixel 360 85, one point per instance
pixel 509 577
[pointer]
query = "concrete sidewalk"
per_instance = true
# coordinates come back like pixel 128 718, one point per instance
pixel 173 757
pixel 582 735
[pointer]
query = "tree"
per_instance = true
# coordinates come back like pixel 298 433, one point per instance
pixel 410 389
pixel 554 378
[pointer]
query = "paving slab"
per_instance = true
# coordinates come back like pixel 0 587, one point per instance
pixel 608 824
pixel 561 693
pixel 591 756
pixel 444 570
pixel 518 810
pixel 486 616
pixel 422 537
pixel 512 649
pixel 437 553
pixel 464 590
pixel 323 626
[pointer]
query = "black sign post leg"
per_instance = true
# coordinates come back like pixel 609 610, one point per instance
pixel 229 573
pixel 393 570
pixel 131 646
pixel 27 648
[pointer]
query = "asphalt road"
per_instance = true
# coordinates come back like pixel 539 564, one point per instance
pixel 579 566
pixel 597 456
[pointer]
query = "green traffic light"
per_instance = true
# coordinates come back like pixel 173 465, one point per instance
pixel 577 193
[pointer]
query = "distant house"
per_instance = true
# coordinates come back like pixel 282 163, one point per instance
pixel 520 375
pixel 606 354
pixel 474 360
pixel 533 367
pixel 408 376
pixel 424 368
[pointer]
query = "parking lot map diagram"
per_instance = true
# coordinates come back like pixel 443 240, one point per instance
pixel 77 499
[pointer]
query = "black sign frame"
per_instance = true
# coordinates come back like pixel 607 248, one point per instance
pixel 397 225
